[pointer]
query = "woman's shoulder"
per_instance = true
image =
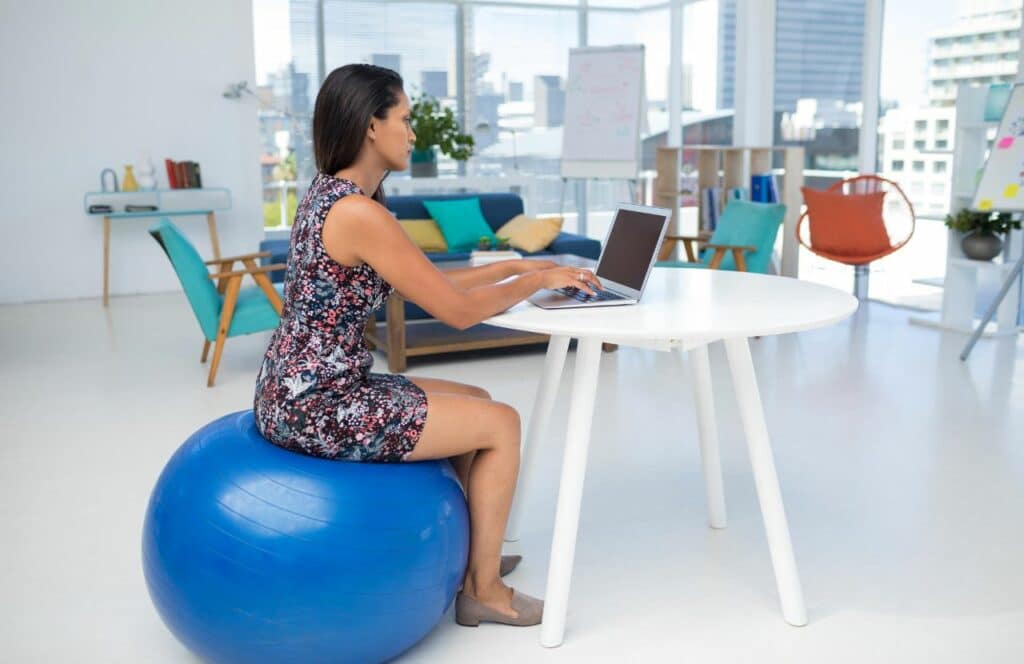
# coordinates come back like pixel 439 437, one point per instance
pixel 356 208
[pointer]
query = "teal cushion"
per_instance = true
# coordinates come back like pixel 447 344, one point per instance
pixel 744 223
pixel 462 222
pixel 192 272
pixel 253 312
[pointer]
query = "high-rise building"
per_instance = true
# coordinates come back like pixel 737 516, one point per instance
pixel 290 89
pixel 434 83
pixel 515 90
pixel 916 151
pixel 392 61
pixel 982 47
pixel 819 48
pixel 548 101
pixel 686 88
pixel 485 108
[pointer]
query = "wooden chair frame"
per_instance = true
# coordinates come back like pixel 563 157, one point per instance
pixel 229 283
pixel 693 244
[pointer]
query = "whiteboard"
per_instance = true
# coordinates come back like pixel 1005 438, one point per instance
pixel 604 112
pixel 1001 186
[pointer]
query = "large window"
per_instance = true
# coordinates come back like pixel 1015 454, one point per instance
pixel 516 94
pixel 819 59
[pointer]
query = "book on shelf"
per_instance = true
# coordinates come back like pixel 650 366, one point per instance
pixel 172 176
pixel 710 204
pixel 763 188
pixel 183 174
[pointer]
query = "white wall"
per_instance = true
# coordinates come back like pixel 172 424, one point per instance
pixel 87 85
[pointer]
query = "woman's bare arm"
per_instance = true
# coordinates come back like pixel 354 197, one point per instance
pixel 358 229
pixel 492 273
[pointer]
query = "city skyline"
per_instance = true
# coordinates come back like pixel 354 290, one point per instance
pixel 908 24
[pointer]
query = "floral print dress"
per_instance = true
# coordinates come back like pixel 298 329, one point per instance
pixel 315 392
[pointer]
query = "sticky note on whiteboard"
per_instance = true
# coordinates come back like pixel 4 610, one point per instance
pixel 1011 190
pixel 1005 142
pixel 985 204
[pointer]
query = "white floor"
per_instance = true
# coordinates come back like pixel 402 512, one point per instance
pixel 902 469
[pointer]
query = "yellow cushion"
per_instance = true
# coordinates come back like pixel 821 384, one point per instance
pixel 530 234
pixel 425 234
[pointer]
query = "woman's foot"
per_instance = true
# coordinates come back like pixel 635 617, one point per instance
pixel 509 607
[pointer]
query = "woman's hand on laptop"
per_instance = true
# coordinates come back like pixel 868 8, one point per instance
pixel 571 277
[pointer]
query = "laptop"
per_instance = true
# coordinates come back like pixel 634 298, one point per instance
pixel 630 250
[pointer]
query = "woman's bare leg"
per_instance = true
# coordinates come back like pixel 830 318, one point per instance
pixel 459 424
pixel 460 463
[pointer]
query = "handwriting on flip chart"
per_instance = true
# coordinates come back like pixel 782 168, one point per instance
pixel 603 104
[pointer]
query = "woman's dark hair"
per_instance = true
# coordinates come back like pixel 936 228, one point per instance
pixel 349 97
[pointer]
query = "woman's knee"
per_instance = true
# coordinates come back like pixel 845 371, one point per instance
pixel 509 425
pixel 479 392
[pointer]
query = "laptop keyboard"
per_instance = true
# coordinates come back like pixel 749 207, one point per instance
pixel 599 296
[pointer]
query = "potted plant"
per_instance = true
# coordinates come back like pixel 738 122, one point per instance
pixel 436 127
pixel 981 230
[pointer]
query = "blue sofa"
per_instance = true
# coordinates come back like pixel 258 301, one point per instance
pixel 497 209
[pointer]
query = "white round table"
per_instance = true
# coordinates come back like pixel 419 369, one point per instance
pixel 685 310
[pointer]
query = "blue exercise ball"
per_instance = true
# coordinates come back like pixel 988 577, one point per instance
pixel 253 553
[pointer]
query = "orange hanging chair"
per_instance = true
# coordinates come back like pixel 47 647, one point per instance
pixel 861 240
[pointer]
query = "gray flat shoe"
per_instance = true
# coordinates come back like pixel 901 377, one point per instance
pixel 470 613
pixel 509 563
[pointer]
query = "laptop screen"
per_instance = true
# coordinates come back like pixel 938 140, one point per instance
pixel 630 246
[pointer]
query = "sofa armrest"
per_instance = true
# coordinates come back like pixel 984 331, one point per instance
pixel 571 243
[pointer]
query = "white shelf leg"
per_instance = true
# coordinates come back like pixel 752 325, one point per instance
pixel 570 492
pixel 540 417
pixel 708 428
pixel 959 290
pixel 780 546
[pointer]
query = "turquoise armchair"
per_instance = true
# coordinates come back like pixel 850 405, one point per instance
pixel 743 240
pixel 225 309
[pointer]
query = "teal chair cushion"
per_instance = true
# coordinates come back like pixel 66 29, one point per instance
pixel 462 222
pixel 192 273
pixel 744 223
pixel 253 312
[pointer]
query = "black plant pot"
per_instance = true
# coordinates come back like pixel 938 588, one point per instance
pixel 981 246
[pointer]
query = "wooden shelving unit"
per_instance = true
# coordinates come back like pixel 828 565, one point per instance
pixel 728 167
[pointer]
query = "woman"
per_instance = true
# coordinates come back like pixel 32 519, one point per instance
pixel 315 392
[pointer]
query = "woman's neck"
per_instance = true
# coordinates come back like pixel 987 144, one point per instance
pixel 367 178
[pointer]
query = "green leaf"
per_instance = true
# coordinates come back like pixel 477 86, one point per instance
pixel 438 126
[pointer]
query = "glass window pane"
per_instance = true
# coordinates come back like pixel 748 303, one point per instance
pixel 284 91
pixel 519 61
pixel 929 49
pixel 818 65
pixel 416 39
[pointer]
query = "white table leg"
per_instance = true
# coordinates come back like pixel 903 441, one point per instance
pixel 540 416
pixel 570 492
pixel 708 428
pixel 772 511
